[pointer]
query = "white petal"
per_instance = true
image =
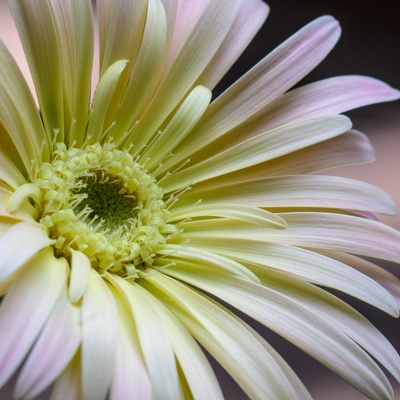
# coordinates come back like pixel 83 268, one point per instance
pixel 27 236
pixel 74 25
pixel 19 118
pixel 297 191
pixel 350 148
pixel 238 211
pixel 228 341
pixel 68 384
pixel 271 77
pixel 180 125
pixel 304 264
pixel 9 173
pixel 103 96
pixel 154 341
pixel 251 16
pixel 41 47
pixel 98 338
pixel 54 349
pixel 261 148
pixel 145 72
pixel 199 255
pixel 196 53
pixel 79 276
pixel 200 377
pixel 131 380
pixel 329 96
pixel 301 326
pixel 26 308
pixel 341 315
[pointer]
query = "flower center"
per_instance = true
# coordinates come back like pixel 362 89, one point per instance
pixel 100 201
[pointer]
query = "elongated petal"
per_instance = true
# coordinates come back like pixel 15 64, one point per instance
pixel 251 16
pixel 98 338
pixel 68 384
pixel 324 231
pixel 196 254
pixel 9 173
pixel 342 316
pixel 74 24
pixel 342 233
pixel 261 148
pixel 304 264
pixel 230 343
pixel 102 98
pixel 146 70
pixel 130 380
pixel 196 53
pixel 154 341
pixel 31 237
pixel 227 210
pixel 329 96
pixel 54 349
pixel 26 308
pixel 350 148
pixel 298 191
pixel 18 114
pixel 180 125
pixel 120 26
pixel 271 77
pixel 41 45
pixel 79 276
pixel 293 321
pixel 197 370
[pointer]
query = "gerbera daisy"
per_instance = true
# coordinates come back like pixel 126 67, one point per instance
pixel 126 218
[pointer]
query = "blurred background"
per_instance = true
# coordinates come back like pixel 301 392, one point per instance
pixel 370 45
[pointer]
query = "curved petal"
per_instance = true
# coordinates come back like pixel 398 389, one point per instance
pixel 25 235
pixel 74 24
pixel 68 384
pixel 145 72
pixel 42 49
pixel 329 96
pixel 196 53
pixel 121 27
pixel 103 96
pixel 228 341
pixel 200 377
pixel 26 308
pixel 306 329
pixel 131 380
pixel 56 346
pixel 79 276
pixel 260 148
pixel 18 114
pixel 9 173
pixel 98 338
pixel 180 125
pixel 154 341
pixel 271 77
pixel 261 257
pixel 251 16
pixel 202 256
pixel 350 148
pixel 320 191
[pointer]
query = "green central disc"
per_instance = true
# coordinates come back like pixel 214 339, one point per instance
pixel 107 203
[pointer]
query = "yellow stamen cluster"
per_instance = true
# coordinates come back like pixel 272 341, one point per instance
pixel 100 201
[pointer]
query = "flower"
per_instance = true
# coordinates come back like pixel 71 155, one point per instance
pixel 122 215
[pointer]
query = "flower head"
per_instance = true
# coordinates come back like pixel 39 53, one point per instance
pixel 122 214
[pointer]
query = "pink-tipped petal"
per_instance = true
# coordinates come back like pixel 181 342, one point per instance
pixel 26 308
pixel 31 237
pixel 54 349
